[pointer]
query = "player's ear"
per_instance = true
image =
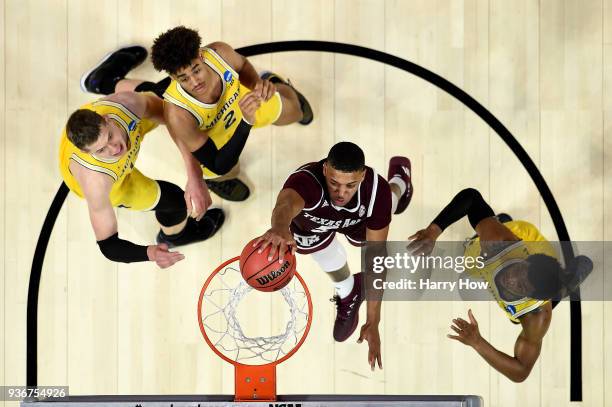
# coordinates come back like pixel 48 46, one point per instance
pixel 325 168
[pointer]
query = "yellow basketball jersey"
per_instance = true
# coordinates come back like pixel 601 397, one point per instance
pixel 532 242
pixel 219 120
pixel 118 169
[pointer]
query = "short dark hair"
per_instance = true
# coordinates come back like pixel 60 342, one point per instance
pixel 83 127
pixel 175 49
pixel 346 157
pixel 545 274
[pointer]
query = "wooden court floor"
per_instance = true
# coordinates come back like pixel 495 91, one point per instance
pixel 543 68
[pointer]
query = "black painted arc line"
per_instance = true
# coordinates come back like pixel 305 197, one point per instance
pixel 434 79
pixel 34 284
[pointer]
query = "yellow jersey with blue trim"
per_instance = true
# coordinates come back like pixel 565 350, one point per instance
pixel 118 169
pixel 532 242
pixel 219 120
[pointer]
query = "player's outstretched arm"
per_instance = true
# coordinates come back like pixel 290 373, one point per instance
pixel 197 196
pixel 469 202
pixel 526 349
pixel 288 205
pixel 369 330
pixel 96 188
pixel 143 105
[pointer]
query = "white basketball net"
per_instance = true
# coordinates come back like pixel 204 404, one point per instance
pixel 220 309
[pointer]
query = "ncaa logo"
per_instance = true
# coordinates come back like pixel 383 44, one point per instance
pixel 511 309
pixel 361 211
pixel 132 125
pixel 227 76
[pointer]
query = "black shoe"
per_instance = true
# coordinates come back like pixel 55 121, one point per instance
pixel 230 190
pixel 195 231
pixel 307 115
pixel 347 311
pixel 103 77
pixel 503 217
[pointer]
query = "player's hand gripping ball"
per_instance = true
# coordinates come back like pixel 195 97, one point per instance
pixel 263 274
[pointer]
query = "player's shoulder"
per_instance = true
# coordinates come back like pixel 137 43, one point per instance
pixel 307 171
pixel 219 47
pixel 536 322
pixel 134 102
pixel 225 51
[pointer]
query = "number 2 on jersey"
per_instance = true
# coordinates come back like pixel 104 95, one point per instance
pixel 229 119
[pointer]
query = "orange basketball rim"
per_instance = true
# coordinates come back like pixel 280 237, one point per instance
pixel 252 381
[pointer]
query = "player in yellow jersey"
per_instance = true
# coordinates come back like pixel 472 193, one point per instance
pixel 523 273
pixel 214 100
pixel 98 150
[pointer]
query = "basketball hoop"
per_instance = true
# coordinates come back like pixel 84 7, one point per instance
pixel 254 357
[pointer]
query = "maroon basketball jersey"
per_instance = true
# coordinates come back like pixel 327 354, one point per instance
pixel 369 208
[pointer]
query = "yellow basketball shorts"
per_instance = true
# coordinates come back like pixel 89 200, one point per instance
pixel 137 192
pixel 267 114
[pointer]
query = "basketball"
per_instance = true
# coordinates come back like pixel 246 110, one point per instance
pixel 262 274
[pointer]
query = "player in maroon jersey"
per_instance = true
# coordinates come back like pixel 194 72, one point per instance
pixel 340 194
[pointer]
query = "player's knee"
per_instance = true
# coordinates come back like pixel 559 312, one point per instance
pixel 332 258
pixel 171 208
pixel 472 193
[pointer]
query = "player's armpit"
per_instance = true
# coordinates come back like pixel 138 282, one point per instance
pixel 379 235
pixel 492 230
pixel 154 108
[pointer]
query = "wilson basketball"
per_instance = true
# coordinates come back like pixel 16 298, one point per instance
pixel 262 274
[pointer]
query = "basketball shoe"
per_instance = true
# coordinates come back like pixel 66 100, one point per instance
pixel 195 231
pixel 347 311
pixel 103 77
pixel 231 190
pixel 400 168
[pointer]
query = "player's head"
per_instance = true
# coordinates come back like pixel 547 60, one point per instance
pixel 344 170
pixel 177 52
pixel 96 134
pixel 539 276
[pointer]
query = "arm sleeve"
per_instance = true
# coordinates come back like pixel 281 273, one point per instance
pixel 381 211
pixel 123 251
pixel 306 186
pixel 467 202
pixel 221 161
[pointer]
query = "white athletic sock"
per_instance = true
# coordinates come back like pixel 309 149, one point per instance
pixel 344 287
pixel 394 198
pixel 394 201
pixel 397 180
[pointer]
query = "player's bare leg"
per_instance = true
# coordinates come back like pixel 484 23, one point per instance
pixel 295 106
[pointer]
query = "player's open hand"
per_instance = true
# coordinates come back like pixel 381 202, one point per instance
pixel 467 332
pixel 197 198
pixel 249 105
pixel 279 242
pixel 162 256
pixel 265 89
pixel 370 333
pixel 424 240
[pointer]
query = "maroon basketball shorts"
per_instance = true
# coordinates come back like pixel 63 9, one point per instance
pixel 309 241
